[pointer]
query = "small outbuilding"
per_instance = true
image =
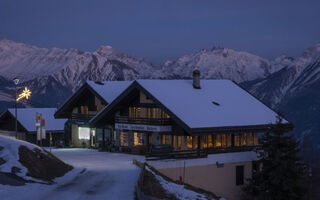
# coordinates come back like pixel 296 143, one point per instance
pixel 26 125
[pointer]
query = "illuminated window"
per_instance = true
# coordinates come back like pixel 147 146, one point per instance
pixel 210 141
pixel 179 142
pixel 84 110
pixel 218 141
pixel 84 133
pixel 204 142
pixel 137 139
pixel 244 139
pixel 224 140
pixel 195 142
pixel 124 139
pixel 189 142
pixel 165 139
pixel 236 140
pixel 229 140
pixel 138 112
pixel 250 139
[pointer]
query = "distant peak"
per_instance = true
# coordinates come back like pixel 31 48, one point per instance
pixel 106 50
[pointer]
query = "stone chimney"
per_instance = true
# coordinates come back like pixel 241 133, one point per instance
pixel 196 79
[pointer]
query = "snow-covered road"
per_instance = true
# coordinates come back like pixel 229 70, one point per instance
pixel 106 176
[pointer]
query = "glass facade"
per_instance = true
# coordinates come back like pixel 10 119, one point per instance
pixel 137 139
pixel 124 139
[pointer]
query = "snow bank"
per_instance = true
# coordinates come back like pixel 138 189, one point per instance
pixel 178 190
pixel 10 153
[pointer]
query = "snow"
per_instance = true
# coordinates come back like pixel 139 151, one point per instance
pixel 212 159
pixel 97 175
pixel 220 63
pixel 178 190
pixel 26 117
pixel 195 108
pixel 10 154
pixel 110 89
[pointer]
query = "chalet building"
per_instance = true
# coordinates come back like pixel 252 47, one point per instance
pixel 84 104
pixel 26 125
pixel 213 119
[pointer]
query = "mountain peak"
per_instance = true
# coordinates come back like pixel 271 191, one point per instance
pixel 106 50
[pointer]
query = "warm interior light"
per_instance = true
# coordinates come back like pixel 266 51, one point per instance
pixel 84 133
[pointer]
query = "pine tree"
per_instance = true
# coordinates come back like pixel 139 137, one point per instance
pixel 282 170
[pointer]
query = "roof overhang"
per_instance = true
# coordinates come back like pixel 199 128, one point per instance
pixel 60 112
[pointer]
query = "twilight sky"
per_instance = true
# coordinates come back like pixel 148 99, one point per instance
pixel 164 29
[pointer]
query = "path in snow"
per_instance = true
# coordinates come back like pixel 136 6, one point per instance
pixel 107 176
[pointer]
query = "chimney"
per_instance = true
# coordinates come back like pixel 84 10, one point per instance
pixel 196 79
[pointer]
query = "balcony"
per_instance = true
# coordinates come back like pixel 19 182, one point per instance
pixel 146 121
pixel 81 117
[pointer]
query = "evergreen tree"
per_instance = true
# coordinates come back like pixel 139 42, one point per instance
pixel 281 169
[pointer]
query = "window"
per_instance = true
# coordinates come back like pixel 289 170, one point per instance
pixel 178 142
pixel 210 141
pixel 84 133
pixel 224 140
pixel 84 110
pixel 229 140
pixel 165 139
pixel 150 139
pixel 255 138
pixel 137 139
pixel 218 141
pixel 239 175
pixel 236 140
pixel 204 142
pixel 244 139
pixel 189 142
pixel 195 142
pixel 124 139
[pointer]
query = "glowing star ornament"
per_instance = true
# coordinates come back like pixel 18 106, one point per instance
pixel 26 93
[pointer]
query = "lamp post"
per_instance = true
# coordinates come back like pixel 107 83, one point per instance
pixel 16 81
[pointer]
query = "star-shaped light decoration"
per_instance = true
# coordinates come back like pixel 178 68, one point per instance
pixel 26 93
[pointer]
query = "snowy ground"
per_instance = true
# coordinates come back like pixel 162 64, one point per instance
pixel 106 176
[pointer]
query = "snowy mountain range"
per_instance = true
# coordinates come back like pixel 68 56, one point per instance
pixel 288 84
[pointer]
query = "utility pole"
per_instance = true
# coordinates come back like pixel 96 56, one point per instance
pixel 16 81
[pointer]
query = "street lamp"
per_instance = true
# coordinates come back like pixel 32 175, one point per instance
pixel 16 81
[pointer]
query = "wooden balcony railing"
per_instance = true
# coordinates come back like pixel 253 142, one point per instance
pixel 147 121
pixel 82 117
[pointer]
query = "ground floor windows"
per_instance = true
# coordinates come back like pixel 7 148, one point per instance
pixel 124 139
pixel 84 133
pixel 137 139
pixel 166 139
pixel 189 142
pixel 177 142
pixel 246 139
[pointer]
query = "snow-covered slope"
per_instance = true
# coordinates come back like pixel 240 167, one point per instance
pixel 295 74
pixel 17 58
pixel 222 63
pixel 10 154
pixel 295 92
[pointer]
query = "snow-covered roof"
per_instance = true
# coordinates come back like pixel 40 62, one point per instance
pixel 109 90
pixel 26 117
pixel 219 103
